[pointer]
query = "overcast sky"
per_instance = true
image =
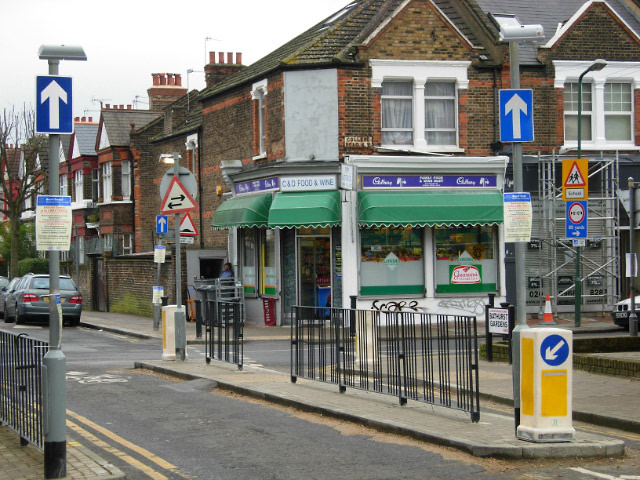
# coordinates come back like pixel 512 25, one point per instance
pixel 127 40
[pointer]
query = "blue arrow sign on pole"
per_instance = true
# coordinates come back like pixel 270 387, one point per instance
pixel 54 104
pixel 161 223
pixel 516 115
pixel 554 350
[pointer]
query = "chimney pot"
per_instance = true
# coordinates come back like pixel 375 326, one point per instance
pixel 76 119
pixel 239 58
pixel 128 107
pixel 212 57
pixel 170 79
pixel 163 78
pixel 90 119
pixel 230 58
pixel 107 106
pixel 156 79
pixel 178 79
pixel 84 119
pixel 220 57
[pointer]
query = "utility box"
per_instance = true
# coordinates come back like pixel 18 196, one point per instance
pixel 169 332
pixel 546 374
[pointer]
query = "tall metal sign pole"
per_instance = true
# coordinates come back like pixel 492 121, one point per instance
pixel 180 317
pixel 512 31
pixel 54 365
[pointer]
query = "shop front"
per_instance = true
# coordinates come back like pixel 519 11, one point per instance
pixel 284 231
pixel 426 232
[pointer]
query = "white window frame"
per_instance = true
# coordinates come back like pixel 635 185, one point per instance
pixel 419 72
pixel 78 186
pixel 614 72
pixel 259 92
pixel 63 184
pixel 107 185
pixel 125 174
pixel 127 243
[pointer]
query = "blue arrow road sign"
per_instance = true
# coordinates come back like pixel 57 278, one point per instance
pixel 162 224
pixel 554 350
pixel 576 221
pixel 54 104
pixel 516 115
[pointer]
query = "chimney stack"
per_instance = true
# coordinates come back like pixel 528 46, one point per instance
pixel 166 89
pixel 216 72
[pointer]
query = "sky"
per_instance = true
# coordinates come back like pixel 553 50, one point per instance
pixel 127 40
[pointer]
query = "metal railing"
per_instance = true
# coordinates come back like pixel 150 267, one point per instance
pixel 21 386
pixel 223 331
pixel 408 354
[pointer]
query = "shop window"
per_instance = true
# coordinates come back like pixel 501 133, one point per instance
pixel 465 259
pixel 249 261
pixel 268 262
pixel 392 261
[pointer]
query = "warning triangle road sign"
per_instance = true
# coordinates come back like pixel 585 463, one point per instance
pixel 187 227
pixel 177 199
pixel 575 178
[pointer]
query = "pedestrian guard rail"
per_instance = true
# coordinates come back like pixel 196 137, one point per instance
pixel 224 312
pixel 21 394
pixel 409 354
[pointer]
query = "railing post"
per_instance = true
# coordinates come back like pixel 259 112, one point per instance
pixel 294 344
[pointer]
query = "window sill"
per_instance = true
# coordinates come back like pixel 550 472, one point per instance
pixel 588 147
pixel 427 151
pixel 261 156
pixel 114 202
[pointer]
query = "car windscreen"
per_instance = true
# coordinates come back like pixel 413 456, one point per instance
pixel 42 283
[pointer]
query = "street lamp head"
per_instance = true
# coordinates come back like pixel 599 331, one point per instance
pixel 597 65
pixel 61 52
pixel 169 158
pixel 512 30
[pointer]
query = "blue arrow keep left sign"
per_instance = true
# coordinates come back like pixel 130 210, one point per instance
pixel 54 104
pixel 516 115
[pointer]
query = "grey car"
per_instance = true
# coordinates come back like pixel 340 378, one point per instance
pixel 30 300
pixel 5 292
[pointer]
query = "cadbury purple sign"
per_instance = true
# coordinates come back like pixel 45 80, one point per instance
pixel 261 185
pixel 429 181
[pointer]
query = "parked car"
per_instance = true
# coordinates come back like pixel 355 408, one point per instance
pixel 5 292
pixel 31 299
pixel 4 281
pixel 621 312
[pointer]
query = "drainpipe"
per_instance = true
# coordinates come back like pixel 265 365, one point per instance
pixel 496 113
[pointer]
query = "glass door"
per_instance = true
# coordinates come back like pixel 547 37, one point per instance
pixel 314 271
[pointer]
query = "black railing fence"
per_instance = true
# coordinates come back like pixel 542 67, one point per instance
pixel 21 386
pixel 408 354
pixel 223 331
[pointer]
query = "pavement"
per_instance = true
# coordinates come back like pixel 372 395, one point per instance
pixel 597 399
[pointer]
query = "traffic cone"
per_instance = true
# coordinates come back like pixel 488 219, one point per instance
pixel 547 319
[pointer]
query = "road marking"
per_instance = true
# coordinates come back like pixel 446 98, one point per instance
pixel 604 475
pixel 125 443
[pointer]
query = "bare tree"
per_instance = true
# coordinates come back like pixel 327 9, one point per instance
pixel 20 151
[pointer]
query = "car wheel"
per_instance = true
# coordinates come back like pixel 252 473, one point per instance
pixel 19 319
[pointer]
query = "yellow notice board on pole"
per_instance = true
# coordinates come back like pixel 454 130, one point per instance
pixel 575 179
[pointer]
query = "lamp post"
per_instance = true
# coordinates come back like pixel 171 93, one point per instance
pixel 54 364
pixel 594 67
pixel 514 32
pixel 633 318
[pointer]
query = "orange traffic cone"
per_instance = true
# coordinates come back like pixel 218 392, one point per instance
pixel 547 319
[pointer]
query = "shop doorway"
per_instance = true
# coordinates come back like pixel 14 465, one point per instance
pixel 314 270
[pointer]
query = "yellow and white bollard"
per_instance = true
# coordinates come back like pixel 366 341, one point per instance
pixel 546 373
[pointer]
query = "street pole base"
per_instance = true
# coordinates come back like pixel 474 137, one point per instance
pixel 546 435
pixel 55 459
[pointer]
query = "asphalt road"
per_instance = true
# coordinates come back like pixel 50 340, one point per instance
pixel 151 426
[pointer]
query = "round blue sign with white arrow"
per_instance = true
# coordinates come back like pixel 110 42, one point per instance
pixel 554 350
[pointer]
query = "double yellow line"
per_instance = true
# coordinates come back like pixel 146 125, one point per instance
pixel 116 439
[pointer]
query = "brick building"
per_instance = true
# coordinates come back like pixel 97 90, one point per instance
pixel 363 158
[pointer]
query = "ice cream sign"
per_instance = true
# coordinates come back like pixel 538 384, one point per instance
pixel 465 274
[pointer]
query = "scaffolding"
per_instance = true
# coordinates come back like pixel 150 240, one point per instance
pixel 550 260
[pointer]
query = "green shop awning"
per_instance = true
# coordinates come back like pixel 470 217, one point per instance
pixel 249 211
pixel 459 207
pixel 305 209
